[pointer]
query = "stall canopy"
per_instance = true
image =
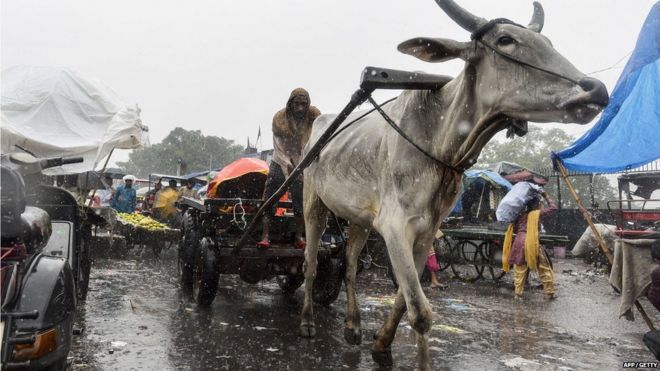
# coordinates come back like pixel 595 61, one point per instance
pixel 55 112
pixel 628 132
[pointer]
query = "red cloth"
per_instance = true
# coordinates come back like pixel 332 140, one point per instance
pixel 432 263
pixel 520 229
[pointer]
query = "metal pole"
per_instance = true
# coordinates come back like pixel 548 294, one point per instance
pixel 559 192
pixel 357 98
pixel 98 180
pixel 591 191
pixel 597 235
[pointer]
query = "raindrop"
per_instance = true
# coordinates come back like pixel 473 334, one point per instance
pixel 464 127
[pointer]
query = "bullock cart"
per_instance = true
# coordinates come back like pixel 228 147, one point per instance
pixel 212 227
pixel 216 231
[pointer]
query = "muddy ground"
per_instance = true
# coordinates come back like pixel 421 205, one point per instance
pixel 134 318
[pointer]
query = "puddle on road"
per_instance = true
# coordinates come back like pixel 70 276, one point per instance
pixel 134 318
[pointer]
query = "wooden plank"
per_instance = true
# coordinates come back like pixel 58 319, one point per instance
pixel 253 252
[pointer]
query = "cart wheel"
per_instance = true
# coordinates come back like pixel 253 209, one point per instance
pixel 327 284
pixel 544 251
pixel 188 251
pixel 493 255
pixel 290 282
pixel 207 273
pixel 466 261
pixel 442 247
pixel 84 264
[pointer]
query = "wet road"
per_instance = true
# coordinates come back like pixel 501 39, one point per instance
pixel 134 318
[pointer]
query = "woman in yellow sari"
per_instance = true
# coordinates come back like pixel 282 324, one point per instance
pixel 525 251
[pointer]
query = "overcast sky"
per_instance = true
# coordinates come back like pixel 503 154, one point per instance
pixel 225 67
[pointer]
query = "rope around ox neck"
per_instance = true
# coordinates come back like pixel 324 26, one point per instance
pixel 406 137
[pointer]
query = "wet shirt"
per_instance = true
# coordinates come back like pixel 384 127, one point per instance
pixel 291 135
pixel 654 291
pixel 520 229
pixel 124 199
pixel 105 196
pixel 166 201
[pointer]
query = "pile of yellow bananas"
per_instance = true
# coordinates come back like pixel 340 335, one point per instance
pixel 142 221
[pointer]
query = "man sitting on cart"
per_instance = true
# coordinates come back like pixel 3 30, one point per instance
pixel 292 127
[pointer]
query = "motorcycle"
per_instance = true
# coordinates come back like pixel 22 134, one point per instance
pixel 45 263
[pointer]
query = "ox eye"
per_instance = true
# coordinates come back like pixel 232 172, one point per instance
pixel 505 40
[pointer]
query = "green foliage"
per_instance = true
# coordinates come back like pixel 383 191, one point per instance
pixel 533 152
pixel 189 146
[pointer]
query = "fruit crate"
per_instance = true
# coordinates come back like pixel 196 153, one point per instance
pixel 136 234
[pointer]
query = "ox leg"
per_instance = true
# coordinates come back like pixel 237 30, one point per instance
pixel 406 264
pixel 423 356
pixel 315 214
pixel 381 351
pixel 357 237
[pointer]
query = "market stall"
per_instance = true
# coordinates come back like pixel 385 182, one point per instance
pixel 144 231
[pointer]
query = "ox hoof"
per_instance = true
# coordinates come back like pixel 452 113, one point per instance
pixel 382 357
pixel 307 330
pixel 353 336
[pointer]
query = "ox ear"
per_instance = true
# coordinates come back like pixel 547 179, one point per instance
pixel 434 50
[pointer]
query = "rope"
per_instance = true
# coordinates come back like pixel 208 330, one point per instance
pixel 358 119
pixel 615 65
pixel 514 59
pixel 243 221
pixel 406 137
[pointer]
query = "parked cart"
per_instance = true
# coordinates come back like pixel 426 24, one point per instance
pixel 154 236
pixel 212 227
pixel 474 252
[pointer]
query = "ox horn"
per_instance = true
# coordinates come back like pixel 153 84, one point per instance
pixel 536 24
pixel 461 16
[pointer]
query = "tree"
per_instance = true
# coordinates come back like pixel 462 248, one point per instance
pixel 197 151
pixel 533 152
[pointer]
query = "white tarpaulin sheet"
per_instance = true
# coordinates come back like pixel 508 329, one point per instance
pixel 56 112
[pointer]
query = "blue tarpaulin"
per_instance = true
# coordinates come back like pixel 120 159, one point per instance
pixel 628 132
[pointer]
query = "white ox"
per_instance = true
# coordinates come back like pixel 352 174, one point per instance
pixel 376 179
